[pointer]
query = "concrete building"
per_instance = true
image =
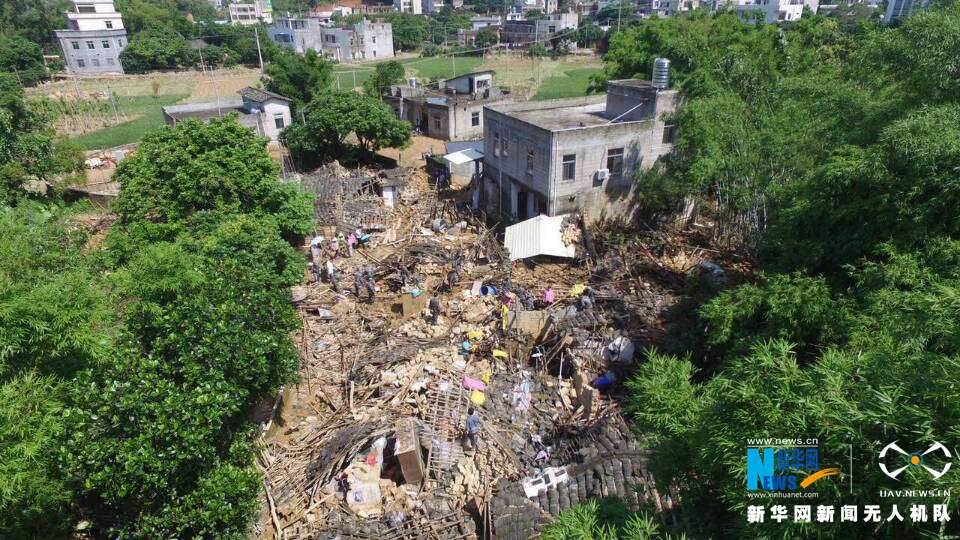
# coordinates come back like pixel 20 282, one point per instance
pixel 265 113
pixel 546 7
pixel 251 13
pixel 770 11
pixel 299 33
pixel 364 41
pixel 411 6
pixel 93 39
pixel 523 33
pixel 560 156
pixel 452 111
pixel 480 21
pixel 674 7
pixel 649 8
pixel 898 10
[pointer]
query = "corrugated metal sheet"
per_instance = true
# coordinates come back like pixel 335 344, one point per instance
pixel 463 156
pixel 542 235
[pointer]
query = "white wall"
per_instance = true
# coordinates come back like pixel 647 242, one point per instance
pixel 272 109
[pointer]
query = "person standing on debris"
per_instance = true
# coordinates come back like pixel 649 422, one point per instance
pixel 334 247
pixel 549 295
pixel 369 282
pixel 473 428
pixel 357 283
pixel 351 243
pixel 332 275
pixel 315 244
pixel 587 299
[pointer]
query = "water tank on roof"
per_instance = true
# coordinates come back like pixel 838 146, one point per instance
pixel 661 73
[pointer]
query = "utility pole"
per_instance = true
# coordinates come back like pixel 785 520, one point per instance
pixel 203 70
pixel 619 13
pixel 113 102
pixel 256 34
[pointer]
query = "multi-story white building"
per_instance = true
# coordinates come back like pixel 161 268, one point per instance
pixel 901 9
pixel 365 40
pixel 770 11
pixel 673 7
pixel 93 39
pixel 251 13
pixel 409 6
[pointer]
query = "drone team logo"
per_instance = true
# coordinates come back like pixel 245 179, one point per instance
pixel 915 459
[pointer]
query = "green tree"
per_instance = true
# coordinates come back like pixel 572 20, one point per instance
pixel 152 49
pixel 299 77
pixel 603 519
pixel 537 50
pixel 22 58
pixel 385 74
pixel 34 20
pixel 179 171
pixel 331 118
pixel 33 496
pixel 589 34
pixel 485 38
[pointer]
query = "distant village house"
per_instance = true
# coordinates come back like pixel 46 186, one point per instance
pixel 265 113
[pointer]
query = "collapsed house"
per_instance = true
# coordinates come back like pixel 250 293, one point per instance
pixel 354 198
pixel 370 444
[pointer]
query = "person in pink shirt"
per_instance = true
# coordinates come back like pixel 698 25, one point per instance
pixel 351 242
pixel 549 295
pixel 334 248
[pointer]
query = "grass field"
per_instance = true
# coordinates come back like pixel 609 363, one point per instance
pixel 527 78
pixel 150 117
pixel 571 83
pixel 441 68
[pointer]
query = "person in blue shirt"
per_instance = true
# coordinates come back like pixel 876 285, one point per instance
pixel 473 428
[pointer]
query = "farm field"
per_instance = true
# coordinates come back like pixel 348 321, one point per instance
pixel 148 117
pixel 570 83
pixel 94 125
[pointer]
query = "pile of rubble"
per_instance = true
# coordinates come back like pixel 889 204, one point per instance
pixel 371 444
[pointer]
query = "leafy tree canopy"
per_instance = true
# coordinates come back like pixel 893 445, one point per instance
pixel 192 167
pixel 298 77
pixel 385 74
pixel 334 116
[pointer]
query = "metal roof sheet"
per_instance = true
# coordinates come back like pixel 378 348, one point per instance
pixel 463 156
pixel 542 235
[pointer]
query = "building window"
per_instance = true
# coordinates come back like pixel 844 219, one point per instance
pixel 615 163
pixel 86 8
pixel 278 121
pixel 109 24
pixel 496 144
pixel 95 62
pixel 530 161
pixel 475 119
pixel 76 45
pixel 374 40
pixel 119 43
pixel 569 166
pixel 506 147
pixel 105 44
pixel 669 134
pixel 91 45
pixel 81 63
